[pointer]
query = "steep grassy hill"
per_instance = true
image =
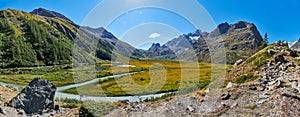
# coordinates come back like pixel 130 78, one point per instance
pixel 45 37
pixel 252 67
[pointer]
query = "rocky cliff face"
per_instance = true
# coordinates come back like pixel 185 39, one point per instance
pixel 239 41
pixel 48 13
pixel 296 45
pixel 101 32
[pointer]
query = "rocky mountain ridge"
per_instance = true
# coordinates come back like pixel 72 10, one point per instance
pixel 239 40
pixel 48 13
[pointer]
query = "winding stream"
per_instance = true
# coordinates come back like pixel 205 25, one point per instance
pixel 60 94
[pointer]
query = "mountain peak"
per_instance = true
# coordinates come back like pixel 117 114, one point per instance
pixel 194 35
pixel 101 32
pixel 48 13
pixel 240 24
pixel 223 27
pixel 154 47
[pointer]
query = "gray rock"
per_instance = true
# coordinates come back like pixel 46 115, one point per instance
pixel 271 52
pixel 280 58
pixel 190 108
pixel 36 98
pixel 125 101
pixel 20 112
pixel 225 96
pixel 2 111
pixel 290 64
pixel 231 85
pixel 208 90
pixel 238 62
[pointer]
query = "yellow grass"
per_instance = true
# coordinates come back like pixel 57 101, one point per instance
pixel 161 76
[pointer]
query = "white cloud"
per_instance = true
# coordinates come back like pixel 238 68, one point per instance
pixel 154 35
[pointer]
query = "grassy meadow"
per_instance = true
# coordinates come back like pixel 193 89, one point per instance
pixel 157 77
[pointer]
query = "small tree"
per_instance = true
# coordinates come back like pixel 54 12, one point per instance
pixel 265 40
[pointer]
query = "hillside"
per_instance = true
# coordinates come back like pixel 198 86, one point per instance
pixel 239 40
pixel 266 84
pixel 45 37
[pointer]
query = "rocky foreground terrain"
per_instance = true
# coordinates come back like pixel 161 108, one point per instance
pixel 37 99
pixel 275 92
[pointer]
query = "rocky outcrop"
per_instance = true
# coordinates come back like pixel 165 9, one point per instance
pixel 48 13
pixel 238 62
pixel 239 41
pixel 100 32
pixel 36 98
pixel 296 45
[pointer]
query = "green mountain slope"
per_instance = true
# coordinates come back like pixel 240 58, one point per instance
pixel 36 39
pixel 27 40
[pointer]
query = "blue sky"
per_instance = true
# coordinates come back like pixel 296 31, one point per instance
pixel 277 17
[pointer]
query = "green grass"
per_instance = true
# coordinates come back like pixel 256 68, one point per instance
pixel 59 78
pixel 96 109
pixel 87 108
pixel 160 77
pixel 246 78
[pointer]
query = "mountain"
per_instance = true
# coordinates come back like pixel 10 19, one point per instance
pixel 174 47
pixel 156 51
pixel 44 37
pixel 101 32
pixel 183 39
pixel 239 41
pixel 296 45
pixel 48 13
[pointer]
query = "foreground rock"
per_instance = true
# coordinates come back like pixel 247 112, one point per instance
pixel 36 98
pixel 238 62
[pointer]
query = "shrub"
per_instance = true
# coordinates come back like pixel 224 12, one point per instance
pixel 95 109
pixel 246 78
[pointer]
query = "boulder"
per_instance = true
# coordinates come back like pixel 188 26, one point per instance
pixel 280 58
pixel 238 62
pixel 231 85
pixel 36 98
pixel 190 108
pixel 2 110
pixel 225 96
pixel 271 51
